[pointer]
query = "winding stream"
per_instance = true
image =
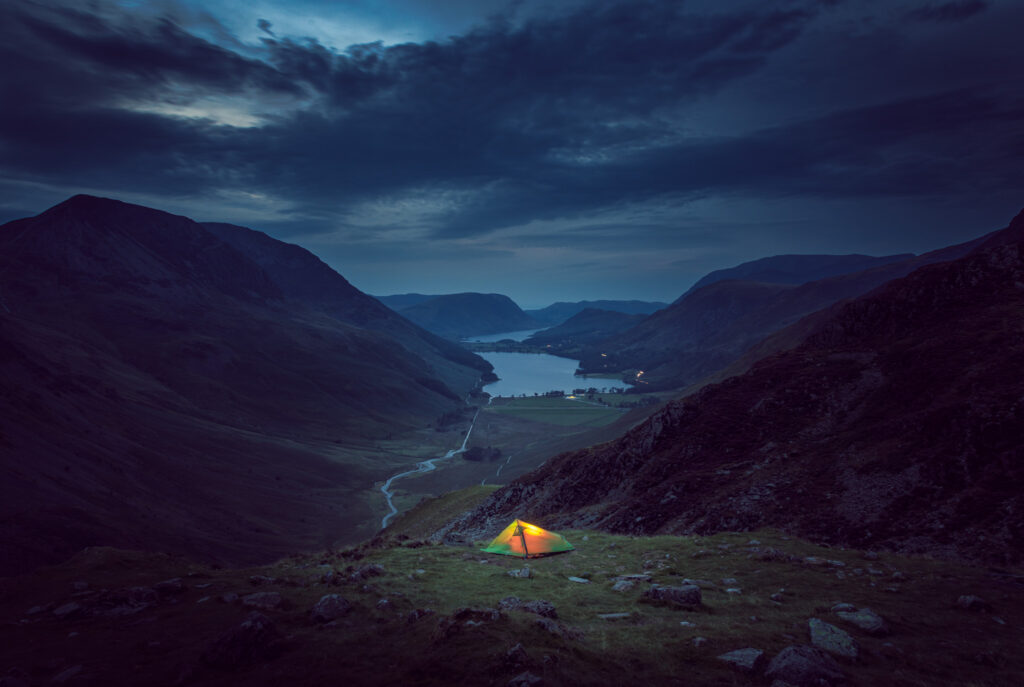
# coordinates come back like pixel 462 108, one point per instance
pixel 422 466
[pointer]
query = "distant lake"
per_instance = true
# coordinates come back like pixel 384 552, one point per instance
pixel 530 373
pixel 515 336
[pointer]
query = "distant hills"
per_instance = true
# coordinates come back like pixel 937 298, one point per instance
pixel 709 328
pixel 588 326
pixel 459 315
pixel 559 312
pixel 200 388
pixel 896 421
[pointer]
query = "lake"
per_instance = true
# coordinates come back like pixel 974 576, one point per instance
pixel 537 373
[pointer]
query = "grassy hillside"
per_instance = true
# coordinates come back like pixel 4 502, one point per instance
pixel 110 617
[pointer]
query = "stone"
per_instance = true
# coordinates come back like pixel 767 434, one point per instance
pixel 613 616
pixel 685 595
pixel 967 601
pixel 537 607
pixel 264 600
pixel 79 585
pixel 385 605
pixel 869 556
pixel 418 613
pixel 776 597
pixel 635 577
pixel 252 641
pixel 557 629
pixel 172 586
pixel 366 572
pixel 730 581
pixel 67 675
pixel 698 642
pixel 844 607
pixel 703 584
pixel 745 660
pixel 733 590
pixel 804 666
pixel 526 679
pixel 68 610
pixel 623 586
pixel 260 580
pixel 523 572
pixel 516 656
pixel 330 607
pixel 833 640
pixel 581 580
pixel 230 598
pixel 866 620
pixel 687 623
pixel 815 561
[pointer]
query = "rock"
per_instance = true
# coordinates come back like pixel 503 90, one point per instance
pixel 523 572
pixel 172 586
pixel 613 616
pixel 254 640
pixel 538 607
pixel 461 618
pixel 687 623
pixel 869 556
pixel 623 586
pixel 558 629
pixel 418 613
pixel 16 677
pixel 866 620
pixel 832 639
pixel 229 598
pixel 516 657
pixel 730 581
pixel 685 595
pixel 698 642
pixel 68 610
pixel 635 577
pixel 329 607
pixel 804 666
pixel 770 554
pixel 899 577
pixel 815 561
pixel 385 605
pixel 525 679
pixel 967 601
pixel 79 585
pixel 844 607
pixel 367 571
pixel 264 600
pixel 745 660
pixel 776 597
pixel 875 571
pixel 581 580
pixel 67 675
pixel 703 584
pixel 260 580
pixel 733 590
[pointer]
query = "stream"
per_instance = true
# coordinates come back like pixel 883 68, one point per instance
pixel 422 466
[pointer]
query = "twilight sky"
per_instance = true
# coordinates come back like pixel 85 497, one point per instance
pixel 598 150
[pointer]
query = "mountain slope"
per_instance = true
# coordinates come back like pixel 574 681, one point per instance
pixel 556 313
pixel 709 328
pixel 587 326
pixel 797 269
pixel 898 422
pixel 162 390
pixel 458 315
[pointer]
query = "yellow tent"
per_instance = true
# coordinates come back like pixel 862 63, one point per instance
pixel 527 541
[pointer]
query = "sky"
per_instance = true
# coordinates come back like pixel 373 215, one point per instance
pixel 547 151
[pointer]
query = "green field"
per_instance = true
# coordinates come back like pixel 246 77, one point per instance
pixel 556 411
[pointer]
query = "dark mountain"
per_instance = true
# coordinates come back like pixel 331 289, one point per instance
pixel 164 390
pixel 710 328
pixel 458 315
pixel 897 422
pixel 400 301
pixel 585 327
pixel 556 313
pixel 796 269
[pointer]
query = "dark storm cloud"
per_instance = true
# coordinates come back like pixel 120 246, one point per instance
pixel 548 119
pixel 949 11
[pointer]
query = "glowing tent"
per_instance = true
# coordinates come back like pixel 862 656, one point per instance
pixel 527 541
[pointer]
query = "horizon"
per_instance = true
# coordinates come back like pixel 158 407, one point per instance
pixel 597 150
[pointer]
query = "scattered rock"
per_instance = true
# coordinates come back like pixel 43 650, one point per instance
pixel 367 571
pixel 776 597
pixel 899 577
pixel 733 590
pixel 698 642
pixel 703 584
pixel 172 586
pixel 866 620
pixel 466 617
pixel 613 616
pixel 745 660
pixel 68 610
pixel 261 580
pixel 330 607
pixel 687 623
pixel 254 640
pixel 523 572
pixel 967 601
pixel 558 629
pixel 385 605
pixel 525 679
pixel 875 571
pixel 686 595
pixel 264 600
pixel 730 581
pixel 538 607
pixel 623 586
pixel 229 598
pixel 833 640
pixel 68 674
pixel 16 677
pixel 635 577
pixel 79 585
pixel 844 607
pixel 516 657
pixel 869 556
pixel 804 666
pixel 581 580
pixel 418 613
pixel 770 554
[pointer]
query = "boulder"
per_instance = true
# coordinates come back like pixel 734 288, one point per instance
pixel 745 660
pixel 264 600
pixel 330 607
pixel 526 679
pixel 523 573
pixel 68 610
pixel 686 595
pixel 581 580
pixel 804 666
pixel 171 586
pixel 623 586
pixel 967 601
pixel 832 639
pixel 252 641
pixel 366 572
pixel 867 620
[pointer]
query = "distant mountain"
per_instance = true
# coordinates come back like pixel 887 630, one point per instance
pixel 585 327
pixel 898 422
pixel 711 327
pixel 401 301
pixel 458 315
pixel 796 269
pixel 556 313
pixel 167 388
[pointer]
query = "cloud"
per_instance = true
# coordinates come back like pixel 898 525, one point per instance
pixel 956 11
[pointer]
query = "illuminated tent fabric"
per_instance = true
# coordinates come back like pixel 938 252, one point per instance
pixel 527 541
